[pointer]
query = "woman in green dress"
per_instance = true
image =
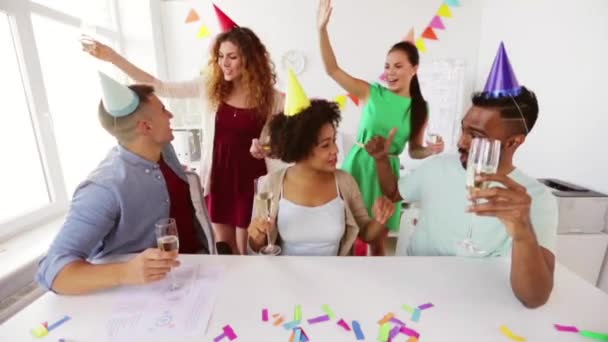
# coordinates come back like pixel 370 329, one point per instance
pixel 398 105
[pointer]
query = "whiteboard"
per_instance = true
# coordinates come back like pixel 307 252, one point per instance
pixel 442 84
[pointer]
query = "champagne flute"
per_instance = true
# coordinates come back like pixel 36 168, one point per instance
pixel 484 156
pixel 265 143
pixel 432 134
pixel 168 241
pixel 88 32
pixel 263 203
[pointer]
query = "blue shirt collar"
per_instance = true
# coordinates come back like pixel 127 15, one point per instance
pixel 133 158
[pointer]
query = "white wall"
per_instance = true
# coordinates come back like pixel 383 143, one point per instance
pixel 141 37
pixel 361 32
pixel 559 49
pixel 562 59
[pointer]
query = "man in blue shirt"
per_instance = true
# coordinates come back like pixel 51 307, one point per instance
pixel 115 209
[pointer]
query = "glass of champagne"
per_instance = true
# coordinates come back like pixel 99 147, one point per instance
pixel 168 241
pixel 484 156
pixel 88 33
pixel 265 143
pixel 432 135
pixel 263 205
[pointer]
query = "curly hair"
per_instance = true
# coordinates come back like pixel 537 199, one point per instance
pixel 259 75
pixel 292 138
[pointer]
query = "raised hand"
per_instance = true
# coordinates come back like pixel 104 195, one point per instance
pixel 510 204
pixel 383 209
pixel 324 13
pixel 97 49
pixel 378 147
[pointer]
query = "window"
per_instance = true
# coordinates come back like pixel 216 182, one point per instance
pixel 73 92
pixel 50 132
pixel 23 182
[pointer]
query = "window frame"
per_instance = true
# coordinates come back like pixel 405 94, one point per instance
pixel 20 23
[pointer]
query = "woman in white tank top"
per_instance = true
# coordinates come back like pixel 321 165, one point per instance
pixel 315 205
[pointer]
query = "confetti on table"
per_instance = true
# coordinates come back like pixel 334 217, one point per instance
pixel 291 325
pixel 278 321
pixel 566 328
pixel 395 331
pixel 318 319
pixel 343 324
pixel 425 306
pixel 408 309
pixel 358 331
pixel 409 332
pixel 298 335
pixel 58 323
pixel 276 315
pixel 594 335
pixel 304 336
pixel 386 318
pixel 265 315
pixel 292 336
pixel 39 331
pixel 511 335
pixel 297 314
pixel 229 332
pixel 397 321
pixel 383 334
pixel 416 315
pixel 328 311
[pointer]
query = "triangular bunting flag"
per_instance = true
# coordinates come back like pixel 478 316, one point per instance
pixel 341 101
pixel 203 32
pixel 410 36
pixel 354 99
pixel 444 11
pixel 452 3
pixel 192 16
pixel 429 34
pixel 420 45
pixel 436 23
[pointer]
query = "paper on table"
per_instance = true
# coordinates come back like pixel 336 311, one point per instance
pixel 154 310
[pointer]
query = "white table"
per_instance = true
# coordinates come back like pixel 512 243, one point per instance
pixel 472 300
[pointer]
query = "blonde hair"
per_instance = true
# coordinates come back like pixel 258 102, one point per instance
pixel 259 76
pixel 123 128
